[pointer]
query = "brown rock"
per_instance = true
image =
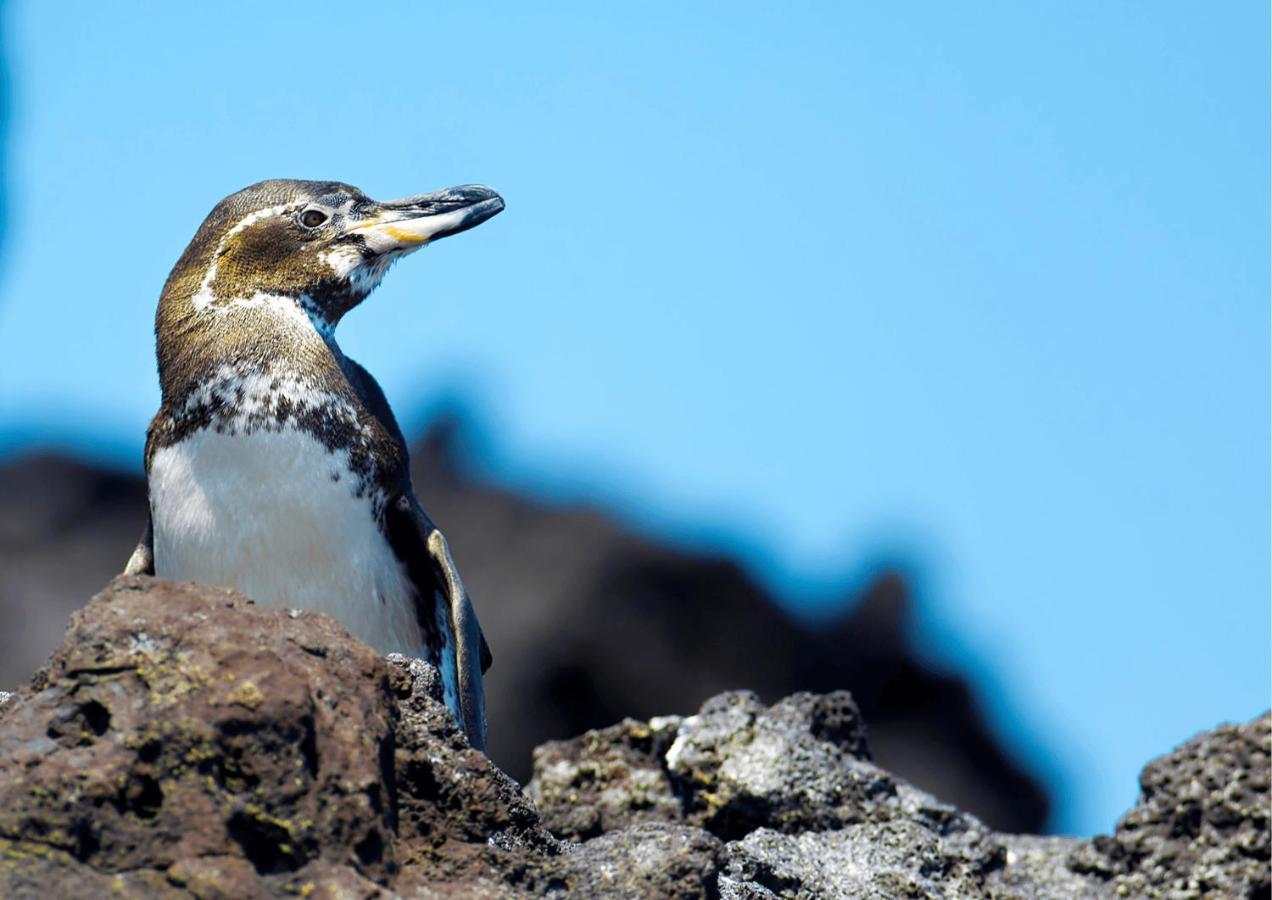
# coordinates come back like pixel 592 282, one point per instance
pixel 182 735
pixel 183 742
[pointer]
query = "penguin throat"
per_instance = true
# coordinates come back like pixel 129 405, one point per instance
pixel 301 310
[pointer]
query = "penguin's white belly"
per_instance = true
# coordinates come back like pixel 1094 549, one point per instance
pixel 274 514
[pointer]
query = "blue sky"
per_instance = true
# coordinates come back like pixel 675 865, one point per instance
pixel 978 287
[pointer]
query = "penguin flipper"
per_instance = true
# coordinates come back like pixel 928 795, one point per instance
pixel 142 561
pixel 422 547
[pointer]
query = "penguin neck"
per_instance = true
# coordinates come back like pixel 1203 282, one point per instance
pixel 262 335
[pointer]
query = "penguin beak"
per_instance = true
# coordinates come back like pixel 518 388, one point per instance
pixel 408 224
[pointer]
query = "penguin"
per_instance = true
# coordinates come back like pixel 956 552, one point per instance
pixel 274 464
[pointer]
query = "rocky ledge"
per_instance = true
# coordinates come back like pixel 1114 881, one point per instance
pixel 182 742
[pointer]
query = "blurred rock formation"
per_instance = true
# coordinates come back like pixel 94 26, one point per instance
pixel 589 622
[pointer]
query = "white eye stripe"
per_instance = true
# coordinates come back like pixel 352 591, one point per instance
pixel 203 297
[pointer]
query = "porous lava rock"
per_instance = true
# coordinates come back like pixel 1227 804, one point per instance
pixel 1200 827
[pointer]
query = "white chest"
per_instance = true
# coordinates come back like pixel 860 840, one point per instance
pixel 275 515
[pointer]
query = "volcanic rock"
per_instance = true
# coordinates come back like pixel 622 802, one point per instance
pixel 183 742
pixel 1200 827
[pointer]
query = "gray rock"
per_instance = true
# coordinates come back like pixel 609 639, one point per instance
pixel 653 860
pixel 875 860
pixel 799 765
pixel 804 812
pixel 741 766
pixel 1037 866
pixel 790 785
pixel 607 780
pixel 1200 827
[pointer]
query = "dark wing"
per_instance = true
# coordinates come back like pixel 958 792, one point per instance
pixel 142 561
pixel 422 548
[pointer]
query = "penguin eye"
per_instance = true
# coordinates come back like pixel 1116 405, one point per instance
pixel 312 218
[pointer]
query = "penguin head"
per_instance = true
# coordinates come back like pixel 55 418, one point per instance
pixel 319 246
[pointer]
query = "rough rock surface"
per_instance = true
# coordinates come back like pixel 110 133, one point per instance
pixel 589 620
pixel 804 812
pixel 890 859
pixel 791 790
pixel 1201 824
pixel 800 765
pixel 182 742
